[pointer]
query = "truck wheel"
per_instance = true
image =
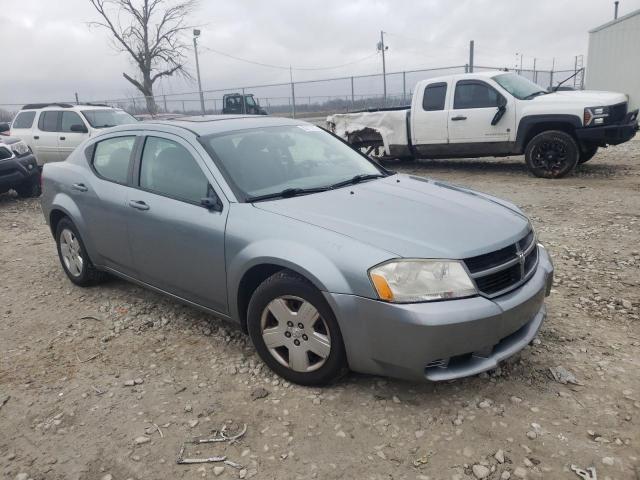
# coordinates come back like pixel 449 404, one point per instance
pixel 587 154
pixel 552 154
pixel 29 189
pixel 295 331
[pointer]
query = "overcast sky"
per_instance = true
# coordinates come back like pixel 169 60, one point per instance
pixel 49 51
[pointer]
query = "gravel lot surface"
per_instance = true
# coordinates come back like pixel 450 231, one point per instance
pixel 108 382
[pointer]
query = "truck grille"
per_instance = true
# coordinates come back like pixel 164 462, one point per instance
pixel 498 272
pixel 617 112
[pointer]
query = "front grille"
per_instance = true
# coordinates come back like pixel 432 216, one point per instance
pixel 503 270
pixel 617 112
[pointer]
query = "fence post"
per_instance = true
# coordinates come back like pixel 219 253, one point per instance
pixel 535 74
pixel 353 97
pixel 134 104
pixel 404 87
pixel 244 103
pixel 183 109
pixel 293 100
pixel 215 106
pixel 471 45
pixel 553 64
pixel 466 68
pixel 164 97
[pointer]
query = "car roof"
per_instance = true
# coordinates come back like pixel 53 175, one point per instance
pixel 66 107
pixel 467 76
pixel 212 124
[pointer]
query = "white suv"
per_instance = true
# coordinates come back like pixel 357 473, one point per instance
pixel 53 130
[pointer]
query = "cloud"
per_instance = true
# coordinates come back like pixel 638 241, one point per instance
pixel 52 53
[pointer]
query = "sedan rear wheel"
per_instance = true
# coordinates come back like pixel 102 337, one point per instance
pixel 73 256
pixel 295 331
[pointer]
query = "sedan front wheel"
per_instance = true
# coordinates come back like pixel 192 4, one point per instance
pixel 295 331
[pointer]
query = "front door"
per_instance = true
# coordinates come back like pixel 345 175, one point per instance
pixel 176 243
pixel 473 108
pixel 68 140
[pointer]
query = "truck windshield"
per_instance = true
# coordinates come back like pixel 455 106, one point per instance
pixel 265 161
pixel 518 86
pixel 107 118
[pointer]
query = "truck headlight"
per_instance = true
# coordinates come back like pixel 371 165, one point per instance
pixel 418 280
pixel 19 148
pixel 595 115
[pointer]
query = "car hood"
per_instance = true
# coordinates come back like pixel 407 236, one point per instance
pixel 584 98
pixel 410 217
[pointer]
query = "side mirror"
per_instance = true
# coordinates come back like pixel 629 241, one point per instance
pixel 211 203
pixel 79 128
pixel 4 127
pixel 502 107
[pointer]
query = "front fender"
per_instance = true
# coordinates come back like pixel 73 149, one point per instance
pixel 308 262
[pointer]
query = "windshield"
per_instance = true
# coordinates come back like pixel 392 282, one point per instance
pixel 107 118
pixel 518 86
pixel 264 161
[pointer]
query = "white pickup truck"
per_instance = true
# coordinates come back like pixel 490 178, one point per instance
pixel 493 114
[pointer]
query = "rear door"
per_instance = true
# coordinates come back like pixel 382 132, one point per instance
pixel 68 140
pixel 45 137
pixel 429 119
pixel 473 106
pixel 22 127
pixel 176 243
pixel 102 198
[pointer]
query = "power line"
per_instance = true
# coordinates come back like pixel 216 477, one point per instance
pixel 282 67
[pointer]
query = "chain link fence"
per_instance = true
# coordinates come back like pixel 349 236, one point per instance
pixel 304 99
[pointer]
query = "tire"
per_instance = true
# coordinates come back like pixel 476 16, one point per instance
pixel 311 355
pixel 552 154
pixel 81 272
pixel 29 189
pixel 587 153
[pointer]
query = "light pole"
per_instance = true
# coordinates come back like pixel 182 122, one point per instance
pixel 382 48
pixel 196 34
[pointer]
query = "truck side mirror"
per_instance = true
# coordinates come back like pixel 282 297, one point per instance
pixel 502 107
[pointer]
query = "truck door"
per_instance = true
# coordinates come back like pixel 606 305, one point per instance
pixel 429 117
pixel 474 107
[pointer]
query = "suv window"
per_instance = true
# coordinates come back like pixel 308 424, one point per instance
pixel 434 95
pixel 474 94
pixel 48 121
pixel 169 169
pixel 68 119
pixel 111 158
pixel 24 120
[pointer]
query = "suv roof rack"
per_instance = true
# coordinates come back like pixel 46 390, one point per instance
pixel 31 106
pixel 95 104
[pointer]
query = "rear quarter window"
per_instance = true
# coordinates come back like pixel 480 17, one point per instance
pixel 24 120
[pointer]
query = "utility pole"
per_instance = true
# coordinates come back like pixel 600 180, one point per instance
pixel 293 93
pixel 382 48
pixel 471 47
pixel 77 102
pixel 196 34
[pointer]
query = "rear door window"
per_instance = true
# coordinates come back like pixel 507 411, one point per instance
pixel 434 95
pixel 168 169
pixel 48 121
pixel 111 158
pixel 24 120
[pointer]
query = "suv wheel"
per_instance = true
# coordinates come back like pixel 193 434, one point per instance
pixel 587 153
pixel 73 256
pixel 29 189
pixel 295 331
pixel 552 154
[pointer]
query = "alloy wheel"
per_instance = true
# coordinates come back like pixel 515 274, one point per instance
pixel 550 155
pixel 71 252
pixel 295 334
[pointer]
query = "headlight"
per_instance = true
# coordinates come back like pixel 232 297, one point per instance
pixel 19 148
pixel 595 115
pixel 407 281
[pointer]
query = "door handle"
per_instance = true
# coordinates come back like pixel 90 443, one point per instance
pixel 62 138
pixel 80 187
pixel 36 137
pixel 138 205
pixel 457 119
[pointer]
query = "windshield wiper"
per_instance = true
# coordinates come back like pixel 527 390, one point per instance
pixel 286 193
pixel 535 94
pixel 357 179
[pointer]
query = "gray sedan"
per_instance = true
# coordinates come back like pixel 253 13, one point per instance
pixel 327 260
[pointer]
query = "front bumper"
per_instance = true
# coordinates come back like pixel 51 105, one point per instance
pixel 610 134
pixel 17 170
pixel 442 340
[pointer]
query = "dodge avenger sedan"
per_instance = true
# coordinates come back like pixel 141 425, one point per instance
pixel 327 260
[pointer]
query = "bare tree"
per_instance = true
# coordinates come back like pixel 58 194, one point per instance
pixel 150 32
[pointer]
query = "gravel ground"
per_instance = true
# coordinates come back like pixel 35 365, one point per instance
pixel 90 377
